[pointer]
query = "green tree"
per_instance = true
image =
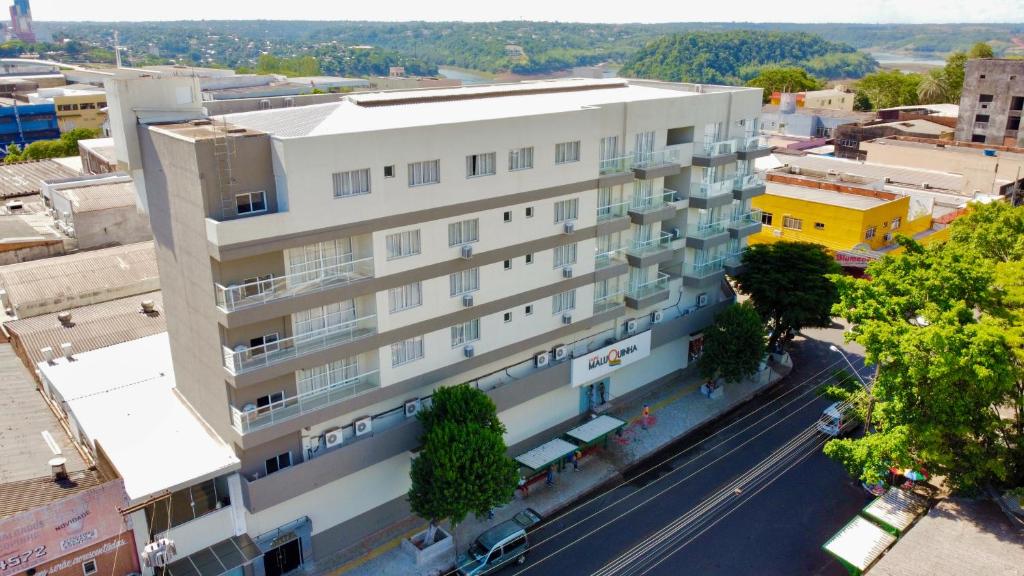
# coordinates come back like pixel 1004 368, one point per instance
pixel 890 88
pixel 933 88
pixel 789 285
pixel 954 73
pixel 861 102
pixel 980 50
pixel 66 146
pixel 734 345
pixel 783 79
pixel 462 467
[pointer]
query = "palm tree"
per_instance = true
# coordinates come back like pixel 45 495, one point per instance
pixel 933 88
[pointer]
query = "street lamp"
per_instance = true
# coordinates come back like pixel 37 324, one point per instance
pixel 871 397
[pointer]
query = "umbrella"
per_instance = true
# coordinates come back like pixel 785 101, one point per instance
pixel 913 475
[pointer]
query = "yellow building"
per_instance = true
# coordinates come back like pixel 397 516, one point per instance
pixel 851 219
pixel 82 110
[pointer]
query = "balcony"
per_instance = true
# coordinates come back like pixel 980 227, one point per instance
pixel 667 161
pixel 239 296
pixel 707 235
pixel 708 195
pixel 715 153
pixel 733 263
pixel 747 186
pixel 612 211
pixel 348 386
pixel 245 359
pixel 643 295
pixel 752 147
pixel 615 171
pixel 703 274
pixel 744 224
pixel 654 208
pixel 642 253
pixel 608 302
pixel 608 258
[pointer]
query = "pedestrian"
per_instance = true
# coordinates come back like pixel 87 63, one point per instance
pixel 600 394
pixel 524 488
pixel 645 416
pixel 551 475
pixel 576 460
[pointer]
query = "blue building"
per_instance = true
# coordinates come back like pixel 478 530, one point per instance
pixel 24 124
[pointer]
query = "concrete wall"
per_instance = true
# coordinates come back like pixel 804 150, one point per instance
pixel 111 227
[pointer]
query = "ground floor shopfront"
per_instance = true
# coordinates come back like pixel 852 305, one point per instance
pixel 112 557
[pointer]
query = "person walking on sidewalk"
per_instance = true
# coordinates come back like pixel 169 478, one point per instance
pixel 645 416
pixel 551 475
pixel 576 460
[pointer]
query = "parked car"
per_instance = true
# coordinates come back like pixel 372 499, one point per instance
pixel 499 546
pixel 837 420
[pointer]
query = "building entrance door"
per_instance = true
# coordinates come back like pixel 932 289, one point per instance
pixel 594 397
pixel 283 559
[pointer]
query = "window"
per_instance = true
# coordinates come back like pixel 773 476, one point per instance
pixel 257 285
pixel 262 344
pixel 887 237
pixel 426 172
pixel 528 310
pixel 402 244
pixel 980 138
pixel 507 216
pixel 250 202
pixel 766 218
pixel 985 98
pixel 351 183
pixel 529 258
pixel 464 282
pixel 466 332
pixel 870 233
pixel 819 225
pixel 567 152
pixel 463 232
pixel 406 351
pixel 480 165
pixel 269 399
pixel 508 264
pixel 792 223
pixel 89 567
pixel 981 117
pixel 566 210
pixel 507 317
pixel 563 302
pixel 564 255
pixel 330 316
pixel 529 211
pixel 188 504
pixel 405 297
pixel 389 171
pixel 279 462
pixel 896 222
pixel 982 76
pixel 520 159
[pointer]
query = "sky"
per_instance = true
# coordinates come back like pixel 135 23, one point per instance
pixel 869 11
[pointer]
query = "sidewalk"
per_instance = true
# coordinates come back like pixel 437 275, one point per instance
pixel 677 408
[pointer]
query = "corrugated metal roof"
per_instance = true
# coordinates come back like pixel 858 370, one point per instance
pixel 896 174
pixel 100 196
pixel 25 178
pixel 91 327
pixel 25 495
pixel 55 284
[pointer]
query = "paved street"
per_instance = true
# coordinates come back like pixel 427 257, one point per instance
pixel 753 494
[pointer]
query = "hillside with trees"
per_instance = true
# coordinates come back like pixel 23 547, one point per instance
pixel 738 56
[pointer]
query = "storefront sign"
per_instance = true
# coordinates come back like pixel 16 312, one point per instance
pixel 855 259
pixel 610 358
pixel 44 534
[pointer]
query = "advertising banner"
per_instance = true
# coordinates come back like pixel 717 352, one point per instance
pixel 610 358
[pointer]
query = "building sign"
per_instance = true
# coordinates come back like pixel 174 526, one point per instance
pixel 610 358
pixel 855 258
pixel 67 526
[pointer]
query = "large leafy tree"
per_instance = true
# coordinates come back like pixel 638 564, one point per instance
pixel 67 145
pixel 784 79
pixel 890 88
pixel 789 285
pixel 734 345
pixel 462 467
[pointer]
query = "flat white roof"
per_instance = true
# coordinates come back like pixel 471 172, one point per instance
pixel 830 197
pixel 896 174
pixel 123 397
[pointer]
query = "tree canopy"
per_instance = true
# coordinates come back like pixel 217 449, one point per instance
pixel 734 345
pixel 67 145
pixel 889 88
pixel 784 79
pixel 789 286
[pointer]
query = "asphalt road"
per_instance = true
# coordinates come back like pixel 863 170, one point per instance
pixel 750 494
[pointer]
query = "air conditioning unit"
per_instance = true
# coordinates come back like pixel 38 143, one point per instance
pixel 65 349
pixel 333 437
pixel 467 251
pixel 676 233
pixel 468 351
pixel 569 227
pixel 363 426
pixel 630 326
pixel 566 318
pixel 541 359
pixel 561 353
pixel 702 300
pixel 657 316
pixel 412 407
pixel 467 300
pixel 567 272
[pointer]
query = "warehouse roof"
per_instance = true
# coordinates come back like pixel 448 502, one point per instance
pixel 24 178
pixel 93 197
pixel 90 327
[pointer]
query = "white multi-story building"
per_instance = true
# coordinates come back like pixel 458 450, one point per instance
pixel 326 267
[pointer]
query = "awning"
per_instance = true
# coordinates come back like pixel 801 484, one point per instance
pixel 595 429
pixel 895 510
pixel 215 560
pixel 859 544
pixel 546 454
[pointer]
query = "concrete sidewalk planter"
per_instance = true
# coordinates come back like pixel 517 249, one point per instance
pixel 440 553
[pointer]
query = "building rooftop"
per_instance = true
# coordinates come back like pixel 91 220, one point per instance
pixel 24 178
pixel 411 108
pixel 950 147
pixel 101 146
pixel 91 327
pixel 829 197
pixel 63 282
pixel 918 127
pixel 150 436
pixel 329 80
pixel 957 537
pixel 878 172
pixel 853 116
pixel 91 197
pixel 942 110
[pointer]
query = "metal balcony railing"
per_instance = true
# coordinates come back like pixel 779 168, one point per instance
pixel 606 258
pixel 248 358
pixel 237 296
pixel 348 385
pixel 712 189
pixel 608 302
pixel 650 287
pixel 643 204
pixel 745 181
pixel 611 211
pixel 640 247
pixel 703 269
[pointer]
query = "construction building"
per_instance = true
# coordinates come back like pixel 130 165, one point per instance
pixel 992 102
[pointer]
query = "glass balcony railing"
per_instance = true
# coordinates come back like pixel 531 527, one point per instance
pixel 612 211
pixel 703 270
pixel 650 287
pixel 719 148
pixel 238 296
pixel 667 155
pixel 608 302
pixel 608 257
pixel 348 385
pixel 643 204
pixel 751 143
pixel 616 165
pixel 734 258
pixel 248 358
pixel 741 219
pixel 640 247
pixel 746 181
pixel 712 189
pixel 707 229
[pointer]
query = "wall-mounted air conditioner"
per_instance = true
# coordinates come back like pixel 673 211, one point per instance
pixel 467 251
pixel 561 353
pixel 541 359
pixel 412 407
pixel 333 437
pixel 569 227
pixel 468 351
pixel 467 300
pixel 657 316
pixel 630 326
pixel 567 272
pixel 566 318
pixel 702 300
pixel 363 426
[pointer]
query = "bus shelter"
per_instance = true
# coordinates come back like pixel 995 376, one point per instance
pixel 542 457
pixel 895 510
pixel 596 431
pixel 858 545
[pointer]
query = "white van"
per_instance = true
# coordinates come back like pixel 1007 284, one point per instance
pixel 837 420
